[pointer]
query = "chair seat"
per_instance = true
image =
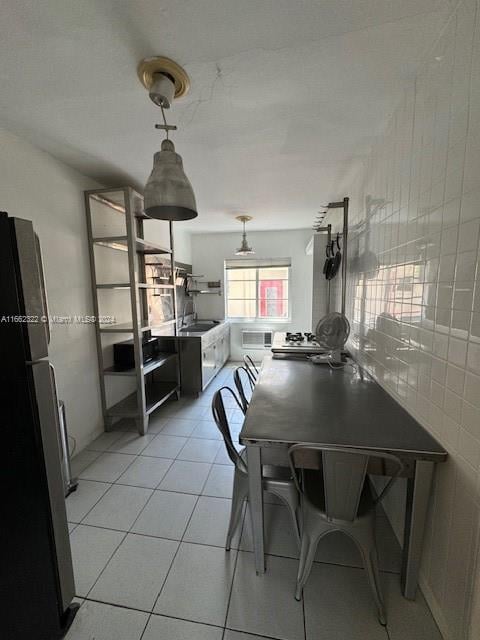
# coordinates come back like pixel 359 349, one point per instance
pixel 315 493
pixel 269 471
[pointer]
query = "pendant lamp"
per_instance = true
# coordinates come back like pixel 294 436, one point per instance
pixel 168 193
pixel 244 249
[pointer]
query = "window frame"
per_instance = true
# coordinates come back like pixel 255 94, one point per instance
pixel 258 319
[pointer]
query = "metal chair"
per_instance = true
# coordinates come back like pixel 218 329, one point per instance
pixel 237 378
pixel 276 480
pixel 340 498
pixel 251 367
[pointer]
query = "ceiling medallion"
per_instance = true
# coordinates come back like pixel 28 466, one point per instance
pixel 148 67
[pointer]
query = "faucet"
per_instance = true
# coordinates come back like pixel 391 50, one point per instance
pixel 184 311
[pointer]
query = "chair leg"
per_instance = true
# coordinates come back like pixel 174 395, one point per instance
pixel 239 495
pixel 292 506
pixel 301 566
pixel 296 527
pixel 307 556
pixel 370 561
pixel 374 579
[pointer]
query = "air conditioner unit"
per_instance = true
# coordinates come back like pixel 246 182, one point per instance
pixel 255 339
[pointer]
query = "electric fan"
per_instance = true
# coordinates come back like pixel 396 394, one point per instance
pixel 331 333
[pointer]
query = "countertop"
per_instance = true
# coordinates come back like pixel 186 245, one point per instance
pixel 199 334
pixel 297 401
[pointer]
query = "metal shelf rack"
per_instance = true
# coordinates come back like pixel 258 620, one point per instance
pixel 115 223
pixel 212 287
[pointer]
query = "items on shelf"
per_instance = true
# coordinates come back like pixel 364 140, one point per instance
pixel 195 286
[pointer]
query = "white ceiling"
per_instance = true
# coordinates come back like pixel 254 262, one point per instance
pixel 286 95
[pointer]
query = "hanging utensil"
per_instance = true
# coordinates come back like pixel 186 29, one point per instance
pixel 328 266
pixel 327 258
pixel 337 259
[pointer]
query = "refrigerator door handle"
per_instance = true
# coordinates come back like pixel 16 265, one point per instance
pixel 47 404
pixel 57 405
pixel 68 483
pixel 54 383
pixel 42 287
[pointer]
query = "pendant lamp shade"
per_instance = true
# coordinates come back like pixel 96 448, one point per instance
pixel 168 193
pixel 245 249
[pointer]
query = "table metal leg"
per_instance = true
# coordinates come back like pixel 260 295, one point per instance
pixel 418 496
pixel 255 501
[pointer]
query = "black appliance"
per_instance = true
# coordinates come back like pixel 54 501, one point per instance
pixel 36 576
pixel 124 356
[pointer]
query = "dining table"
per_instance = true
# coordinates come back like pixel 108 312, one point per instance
pixel 297 402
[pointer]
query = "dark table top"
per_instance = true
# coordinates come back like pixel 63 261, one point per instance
pixel 295 401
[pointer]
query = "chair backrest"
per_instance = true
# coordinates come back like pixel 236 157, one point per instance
pixel 237 378
pixel 251 367
pixel 221 420
pixel 344 474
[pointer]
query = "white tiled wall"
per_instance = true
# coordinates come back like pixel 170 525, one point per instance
pixel 414 296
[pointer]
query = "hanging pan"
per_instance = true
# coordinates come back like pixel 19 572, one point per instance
pixel 327 267
pixel 337 258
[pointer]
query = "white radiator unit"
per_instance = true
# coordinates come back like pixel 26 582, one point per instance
pixel 255 339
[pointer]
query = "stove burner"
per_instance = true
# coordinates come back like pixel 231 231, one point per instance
pixel 295 344
pixel 294 337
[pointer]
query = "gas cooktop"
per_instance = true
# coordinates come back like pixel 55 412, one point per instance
pixel 295 342
pixel 299 337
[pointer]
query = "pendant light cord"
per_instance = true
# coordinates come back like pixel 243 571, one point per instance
pixel 166 127
pixel 164 121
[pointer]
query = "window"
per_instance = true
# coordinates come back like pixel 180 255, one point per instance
pixel 257 289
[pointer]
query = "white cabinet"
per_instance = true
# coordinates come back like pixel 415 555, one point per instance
pixel 209 364
pixel 202 357
pixel 217 352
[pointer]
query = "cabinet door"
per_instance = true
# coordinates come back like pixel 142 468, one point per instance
pixel 220 352
pixel 208 364
pixel 226 345
pixel 225 349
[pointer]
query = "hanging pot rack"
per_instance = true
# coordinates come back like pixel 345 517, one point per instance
pixel 318 227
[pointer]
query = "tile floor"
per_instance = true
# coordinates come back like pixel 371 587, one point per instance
pixel 148 524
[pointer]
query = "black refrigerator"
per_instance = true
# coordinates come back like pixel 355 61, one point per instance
pixel 36 574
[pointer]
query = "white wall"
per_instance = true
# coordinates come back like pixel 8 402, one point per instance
pixel 424 174
pixel 158 231
pixel 209 252
pixel 183 244
pixel 35 186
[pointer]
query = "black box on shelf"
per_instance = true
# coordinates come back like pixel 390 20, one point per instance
pixel 123 353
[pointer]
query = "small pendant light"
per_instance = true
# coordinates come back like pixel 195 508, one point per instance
pixel 245 249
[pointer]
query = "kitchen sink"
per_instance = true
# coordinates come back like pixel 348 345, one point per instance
pixel 198 327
